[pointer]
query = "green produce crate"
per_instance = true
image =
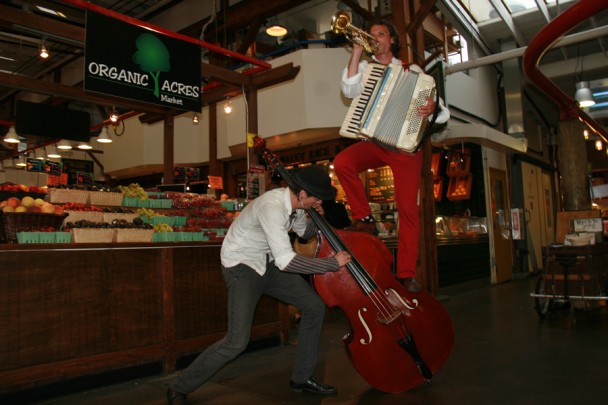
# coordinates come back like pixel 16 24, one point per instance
pixel 28 237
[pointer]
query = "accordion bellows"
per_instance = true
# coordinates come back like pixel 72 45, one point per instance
pixel 386 112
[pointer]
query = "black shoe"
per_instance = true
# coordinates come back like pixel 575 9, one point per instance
pixel 175 398
pixel 410 284
pixel 312 385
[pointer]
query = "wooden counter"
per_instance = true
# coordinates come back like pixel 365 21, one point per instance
pixel 74 310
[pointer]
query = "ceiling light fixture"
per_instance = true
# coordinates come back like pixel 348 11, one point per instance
pixel 84 146
pixel 64 145
pixel 114 115
pixel 11 136
pixel 52 152
pixel 599 145
pixel 228 107
pixel 21 162
pixel 274 29
pixel 583 94
pixel 104 136
pixel 40 154
pixel 586 134
pixel 44 53
pixel 195 119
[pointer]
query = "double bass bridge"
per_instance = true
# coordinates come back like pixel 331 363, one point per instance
pixel 398 307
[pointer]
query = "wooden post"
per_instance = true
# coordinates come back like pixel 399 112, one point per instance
pixel 168 150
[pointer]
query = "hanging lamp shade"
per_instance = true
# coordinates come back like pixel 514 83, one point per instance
pixel 64 145
pixel 11 136
pixel 274 29
pixel 52 152
pixel 84 146
pixel 583 94
pixel 104 136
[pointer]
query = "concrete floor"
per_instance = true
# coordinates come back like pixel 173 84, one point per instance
pixel 502 354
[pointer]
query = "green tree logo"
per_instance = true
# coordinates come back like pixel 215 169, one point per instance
pixel 152 57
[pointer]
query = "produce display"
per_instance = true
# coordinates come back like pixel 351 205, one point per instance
pixel 30 204
pixel 190 217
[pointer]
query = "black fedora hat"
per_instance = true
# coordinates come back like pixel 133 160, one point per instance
pixel 315 180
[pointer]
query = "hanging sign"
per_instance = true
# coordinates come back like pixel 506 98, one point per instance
pixel 132 62
pixel 34 165
pixel 216 182
pixel 53 168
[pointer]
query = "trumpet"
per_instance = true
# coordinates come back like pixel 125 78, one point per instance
pixel 340 24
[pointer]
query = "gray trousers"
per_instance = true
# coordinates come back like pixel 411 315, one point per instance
pixel 245 288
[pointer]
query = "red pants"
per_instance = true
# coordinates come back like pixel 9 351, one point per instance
pixel 406 175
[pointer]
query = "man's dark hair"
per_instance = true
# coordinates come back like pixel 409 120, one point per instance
pixel 392 30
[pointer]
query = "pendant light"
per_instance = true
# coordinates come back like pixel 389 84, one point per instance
pixel 11 136
pixel 84 146
pixel 228 107
pixel 104 136
pixel 583 94
pixel 52 152
pixel 64 145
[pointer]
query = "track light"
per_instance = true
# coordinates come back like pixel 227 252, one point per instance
pixel 228 107
pixel 599 145
pixel 586 134
pixel 114 115
pixel 104 136
pixel 583 94
pixel 11 136
pixel 64 145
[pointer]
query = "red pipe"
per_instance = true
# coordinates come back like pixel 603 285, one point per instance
pixel 568 107
pixel 203 44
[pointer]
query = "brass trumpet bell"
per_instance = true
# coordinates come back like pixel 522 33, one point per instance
pixel 340 24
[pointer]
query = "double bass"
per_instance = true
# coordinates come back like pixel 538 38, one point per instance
pixel 398 339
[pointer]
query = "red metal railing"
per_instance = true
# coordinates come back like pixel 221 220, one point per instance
pixel 568 107
pixel 203 44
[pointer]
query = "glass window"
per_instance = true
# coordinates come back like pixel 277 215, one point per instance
pixel 480 10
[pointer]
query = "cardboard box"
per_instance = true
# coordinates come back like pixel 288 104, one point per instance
pixel 565 222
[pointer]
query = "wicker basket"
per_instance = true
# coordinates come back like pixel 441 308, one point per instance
pixel 13 222
pixel 105 198
pixel 93 235
pixel 133 235
pixel 62 195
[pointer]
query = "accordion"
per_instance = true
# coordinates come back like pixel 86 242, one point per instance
pixel 386 112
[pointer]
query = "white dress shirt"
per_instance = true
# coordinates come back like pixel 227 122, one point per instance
pixel 262 229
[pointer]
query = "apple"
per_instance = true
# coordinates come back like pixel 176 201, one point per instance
pixel 58 210
pixel 23 187
pixel 39 201
pixel 8 208
pixel 47 208
pixel 34 208
pixel 27 201
pixel 21 208
pixel 13 202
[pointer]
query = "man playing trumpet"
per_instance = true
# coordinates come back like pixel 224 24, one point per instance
pixel 364 155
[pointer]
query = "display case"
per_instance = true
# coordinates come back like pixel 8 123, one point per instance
pixel 458 227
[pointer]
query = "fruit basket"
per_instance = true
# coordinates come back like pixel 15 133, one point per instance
pixel 133 235
pixel 63 195
pixel 93 235
pixel 105 198
pixel 13 222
